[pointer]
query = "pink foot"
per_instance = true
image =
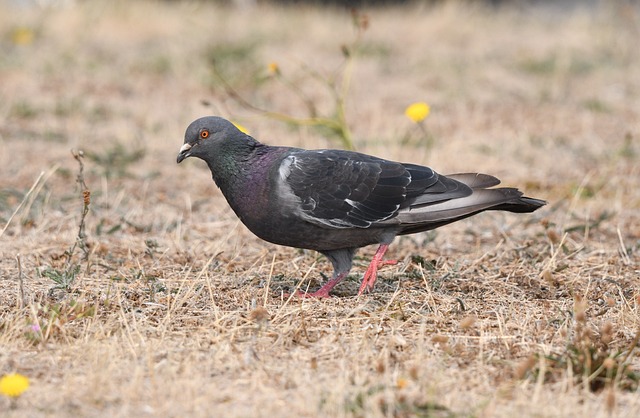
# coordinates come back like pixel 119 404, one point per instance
pixel 370 276
pixel 323 292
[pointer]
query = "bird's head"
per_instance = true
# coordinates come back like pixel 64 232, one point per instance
pixel 204 136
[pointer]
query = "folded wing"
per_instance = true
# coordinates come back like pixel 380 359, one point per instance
pixel 342 189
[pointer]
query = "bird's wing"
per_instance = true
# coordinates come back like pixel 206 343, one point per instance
pixel 342 189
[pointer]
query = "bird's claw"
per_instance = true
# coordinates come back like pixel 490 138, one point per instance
pixel 370 276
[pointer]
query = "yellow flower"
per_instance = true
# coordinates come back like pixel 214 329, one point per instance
pixel 417 112
pixel 13 385
pixel 402 383
pixel 22 36
pixel 273 68
pixel 241 128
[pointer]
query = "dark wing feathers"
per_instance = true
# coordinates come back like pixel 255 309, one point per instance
pixel 347 189
pixel 344 189
pixel 422 179
pixel 341 189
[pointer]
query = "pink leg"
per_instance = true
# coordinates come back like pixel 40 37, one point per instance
pixel 323 292
pixel 371 274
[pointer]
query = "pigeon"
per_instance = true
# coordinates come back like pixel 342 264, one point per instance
pixel 337 201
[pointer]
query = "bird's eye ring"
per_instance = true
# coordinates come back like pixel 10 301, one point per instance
pixel 204 134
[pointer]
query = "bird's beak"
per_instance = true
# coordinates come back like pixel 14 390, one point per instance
pixel 184 152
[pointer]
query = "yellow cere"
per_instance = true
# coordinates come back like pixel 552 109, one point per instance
pixel 13 385
pixel 417 112
pixel 241 128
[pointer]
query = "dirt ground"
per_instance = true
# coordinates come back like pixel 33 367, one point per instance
pixel 169 307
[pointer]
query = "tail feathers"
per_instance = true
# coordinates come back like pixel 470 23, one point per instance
pixel 522 205
pixel 479 200
pixel 425 217
pixel 475 180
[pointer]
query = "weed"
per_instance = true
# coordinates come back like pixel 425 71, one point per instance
pixel 116 160
pixel 226 58
pixel 332 124
pixel 589 357
pixel 8 199
pixel 24 110
pixel 151 247
pixel 597 105
pixel 66 276
pixel 104 227
pixel 154 286
pixel 63 278
pixel 398 405
pixel 49 319
pixel 627 150
pixel 602 217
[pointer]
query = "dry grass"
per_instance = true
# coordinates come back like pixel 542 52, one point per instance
pixel 177 310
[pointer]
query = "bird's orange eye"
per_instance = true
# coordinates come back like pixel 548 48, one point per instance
pixel 204 134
